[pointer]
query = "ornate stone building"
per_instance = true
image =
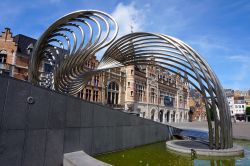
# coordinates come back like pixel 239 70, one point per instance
pixel 107 88
pixel 148 91
pixel 197 106
pixel 140 90
pixel 156 94
pixel 247 100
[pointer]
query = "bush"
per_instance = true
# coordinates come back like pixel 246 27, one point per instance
pixel 248 111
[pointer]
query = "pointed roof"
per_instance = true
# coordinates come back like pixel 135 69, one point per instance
pixel 23 42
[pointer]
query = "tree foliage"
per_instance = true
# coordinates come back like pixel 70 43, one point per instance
pixel 248 111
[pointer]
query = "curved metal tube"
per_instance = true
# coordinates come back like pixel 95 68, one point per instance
pixel 70 32
pixel 136 49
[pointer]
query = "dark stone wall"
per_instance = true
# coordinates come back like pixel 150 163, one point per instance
pixel 40 133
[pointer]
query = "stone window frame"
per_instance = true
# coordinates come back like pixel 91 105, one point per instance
pixel 3 59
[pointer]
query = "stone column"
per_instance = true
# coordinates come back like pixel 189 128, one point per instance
pixel 156 116
pixel 170 118
pixel 183 116
pixel 163 116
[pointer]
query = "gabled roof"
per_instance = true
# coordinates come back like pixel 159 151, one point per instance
pixel 23 42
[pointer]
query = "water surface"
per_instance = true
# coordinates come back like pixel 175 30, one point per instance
pixel 158 155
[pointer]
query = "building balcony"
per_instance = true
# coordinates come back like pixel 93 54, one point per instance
pixel 6 69
pixel 5 66
pixel 116 106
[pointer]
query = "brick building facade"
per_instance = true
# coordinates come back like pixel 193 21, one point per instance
pixel 8 49
pixel 14 57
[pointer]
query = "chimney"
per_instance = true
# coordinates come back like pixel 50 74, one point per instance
pixel 7 32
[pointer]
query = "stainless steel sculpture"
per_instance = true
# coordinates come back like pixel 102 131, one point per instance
pixel 69 74
pixel 66 45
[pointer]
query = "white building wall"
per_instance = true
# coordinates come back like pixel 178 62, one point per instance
pixel 170 114
pixel 239 108
pixel 230 100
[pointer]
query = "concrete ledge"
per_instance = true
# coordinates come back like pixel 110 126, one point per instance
pixel 80 158
pixel 200 149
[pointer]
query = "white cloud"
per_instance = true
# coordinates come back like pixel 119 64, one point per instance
pixel 208 43
pixel 243 63
pixel 127 16
pixel 240 58
pixel 174 20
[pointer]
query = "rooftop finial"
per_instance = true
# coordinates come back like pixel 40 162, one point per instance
pixel 131 27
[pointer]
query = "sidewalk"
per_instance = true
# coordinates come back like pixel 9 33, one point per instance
pixel 241 130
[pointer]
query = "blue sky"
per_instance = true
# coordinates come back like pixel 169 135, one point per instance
pixel 219 30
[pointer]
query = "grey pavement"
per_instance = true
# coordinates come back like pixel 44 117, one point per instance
pixel 80 158
pixel 241 130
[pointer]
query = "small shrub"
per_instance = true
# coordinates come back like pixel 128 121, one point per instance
pixel 248 111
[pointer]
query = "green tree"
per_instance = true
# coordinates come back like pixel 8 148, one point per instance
pixel 248 111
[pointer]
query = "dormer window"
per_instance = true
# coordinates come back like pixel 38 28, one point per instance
pixel 3 56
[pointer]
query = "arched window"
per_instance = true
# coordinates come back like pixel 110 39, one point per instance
pixel 88 94
pixel 152 114
pixel 161 115
pixel 152 95
pixel 143 114
pixel 80 94
pixel 167 116
pixel 3 56
pixel 113 93
pixel 173 117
